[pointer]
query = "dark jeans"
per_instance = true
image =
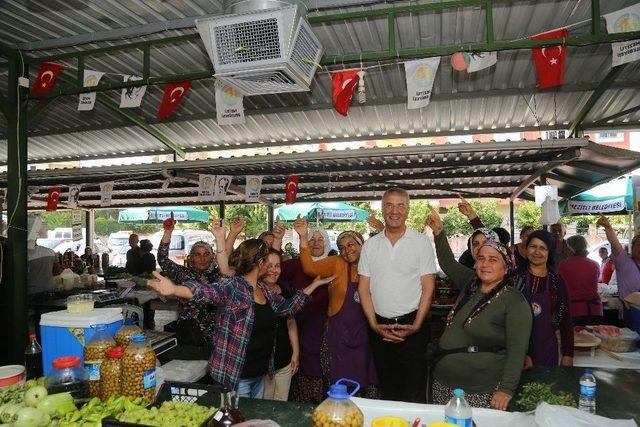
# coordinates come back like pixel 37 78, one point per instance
pixel 402 368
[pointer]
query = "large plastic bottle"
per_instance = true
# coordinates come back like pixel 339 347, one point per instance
pixel 458 411
pixel 338 409
pixel 587 401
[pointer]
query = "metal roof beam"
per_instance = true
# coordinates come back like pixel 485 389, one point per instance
pixel 604 85
pixel 3 106
pixel 564 158
pixel 569 180
pixel 583 164
pixel 623 113
pixel 138 121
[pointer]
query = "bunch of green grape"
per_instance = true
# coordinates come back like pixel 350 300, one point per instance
pixel 170 414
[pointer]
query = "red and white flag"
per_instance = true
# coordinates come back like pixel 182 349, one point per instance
pixel 291 189
pixel 47 75
pixel 550 60
pixel 173 94
pixel 345 83
pixel 52 199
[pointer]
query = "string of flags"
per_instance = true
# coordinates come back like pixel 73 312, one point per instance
pixel 211 188
pixel 420 74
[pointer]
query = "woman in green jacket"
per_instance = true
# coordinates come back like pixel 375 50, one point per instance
pixel 487 333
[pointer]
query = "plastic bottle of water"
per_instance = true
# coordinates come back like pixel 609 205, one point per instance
pixel 458 411
pixel 587 400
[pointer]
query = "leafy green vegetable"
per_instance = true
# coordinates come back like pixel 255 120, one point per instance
pixel 170 414
pixel 534 393
pixel 57 404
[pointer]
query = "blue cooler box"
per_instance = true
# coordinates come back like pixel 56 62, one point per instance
pixel 64 333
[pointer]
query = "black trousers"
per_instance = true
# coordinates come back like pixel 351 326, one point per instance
pixel 402 368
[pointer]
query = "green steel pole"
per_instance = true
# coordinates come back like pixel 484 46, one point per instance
pixel 489 12
pixel 595 17
pixel 16 291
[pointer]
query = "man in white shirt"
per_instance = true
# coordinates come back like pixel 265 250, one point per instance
pixel 397 279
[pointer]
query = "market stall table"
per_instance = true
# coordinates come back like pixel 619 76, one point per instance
pixel 603 359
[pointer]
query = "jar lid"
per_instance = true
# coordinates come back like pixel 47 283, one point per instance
pixel 137 338
pixel 66 362
pixel 130 321
pixel 115 352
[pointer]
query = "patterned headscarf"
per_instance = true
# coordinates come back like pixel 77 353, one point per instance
pixel 357 237
pixel 488 233
pixel 201 244
pixel 488 298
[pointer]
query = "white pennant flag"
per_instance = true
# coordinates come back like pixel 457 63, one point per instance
pixel 3 196
pixel 106 189
pixel 252 188
pixel 420 75
pixel 88 100
pixel 229 107
pixel 222 185
pixel 481 60
pixel 76 225
pixel 624 21
pixel 73 196
pixel 206 187
pixel 131 97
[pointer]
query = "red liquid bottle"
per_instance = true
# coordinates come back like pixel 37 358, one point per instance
pixel 33 358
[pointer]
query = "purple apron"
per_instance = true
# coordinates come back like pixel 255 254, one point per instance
pixel 310 331
pixel 545 342
pixel 348 340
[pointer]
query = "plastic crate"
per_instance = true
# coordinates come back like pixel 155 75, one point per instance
pixel 203 394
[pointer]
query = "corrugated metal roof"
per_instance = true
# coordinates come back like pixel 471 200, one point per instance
pixel 497 99
pixel 496 169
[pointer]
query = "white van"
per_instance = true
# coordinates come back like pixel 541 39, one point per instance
pixel 118 240
pixel 181 243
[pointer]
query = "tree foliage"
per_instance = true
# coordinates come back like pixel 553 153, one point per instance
pixel 455 223
pixel 529 214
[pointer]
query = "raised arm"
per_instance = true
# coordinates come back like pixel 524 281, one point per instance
pixel 288 307
pixel 468 211
pixel 164 261
pixel 278 234
pixel 237 225
pixel 323 267
pixel 612 237
pixel 222 257
pixel 460 275
pixel 212 293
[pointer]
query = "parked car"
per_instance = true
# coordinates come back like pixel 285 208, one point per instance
pixel 79 245
pixel 118 239
pixel 118 256
pixel 181 243
pixel 593 250
pixel 50 243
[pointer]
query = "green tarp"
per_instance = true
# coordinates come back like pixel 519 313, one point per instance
pixel 613 197
pixel 159 214
pixel 328 211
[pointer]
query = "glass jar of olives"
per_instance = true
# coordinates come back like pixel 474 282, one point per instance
pixel 111 374
pixel 139 369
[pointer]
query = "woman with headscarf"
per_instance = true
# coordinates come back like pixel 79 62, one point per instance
pixel 487 331
pixel 520 249
pixel 546 293
pixel 195 320
pixel 306 385
pixel 477 239
pixel 580 275
pixel 345 351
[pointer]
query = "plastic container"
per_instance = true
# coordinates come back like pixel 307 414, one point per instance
pixel 68 279
pixel 458 411
pixel 94 354
pixel 82 303
pixel 111 373
pixel 587 400
pixel 623 343
pixel 68 375
pixel 65 334
pixel 338 409
pixel 389 422
pixel 124 334
pixel 139 369
pixel 202 394
pixel 12 374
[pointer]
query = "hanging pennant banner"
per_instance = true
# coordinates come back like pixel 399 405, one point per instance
pixel 131 97
pixel 222 185
pixel 52 199
pixel 252 188
pixel 420 75
pixel 481 60
pixel 73 196
pixel 613 205
pixel 106 189
pixel 88 100
pixel 171 98
pixel 229 106
pixel 46 78
pixel 3 198
pixel 550 60
pixel 291 189
pixel 344 84
pixel 206 187
pixel 624 21
pixel 76 225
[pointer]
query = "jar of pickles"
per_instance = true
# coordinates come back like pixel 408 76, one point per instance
pixel 111 374
pixel 94 353
pixel 139 369
pixel 338 410
pixel 126 331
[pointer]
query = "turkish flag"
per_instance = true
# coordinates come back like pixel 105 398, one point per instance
pixel 550 60
pixel 47 75
pixel 173 93
pixel 52 199
pixel 291 188
pixel 344 84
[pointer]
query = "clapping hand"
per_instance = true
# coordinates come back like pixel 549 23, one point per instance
pixel 434 221
pixel 169 224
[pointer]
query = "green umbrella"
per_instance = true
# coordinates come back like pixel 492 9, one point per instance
pixel 327 211
pixel 159 214
pixel 613 197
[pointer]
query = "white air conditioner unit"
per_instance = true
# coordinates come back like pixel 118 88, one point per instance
pixel 262 51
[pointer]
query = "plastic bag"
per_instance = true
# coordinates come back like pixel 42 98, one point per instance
pixel 562 416
pixel 550 213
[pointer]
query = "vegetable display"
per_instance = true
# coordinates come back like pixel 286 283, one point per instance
pixel 91 414
pixel 170 414
pixel 534 393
